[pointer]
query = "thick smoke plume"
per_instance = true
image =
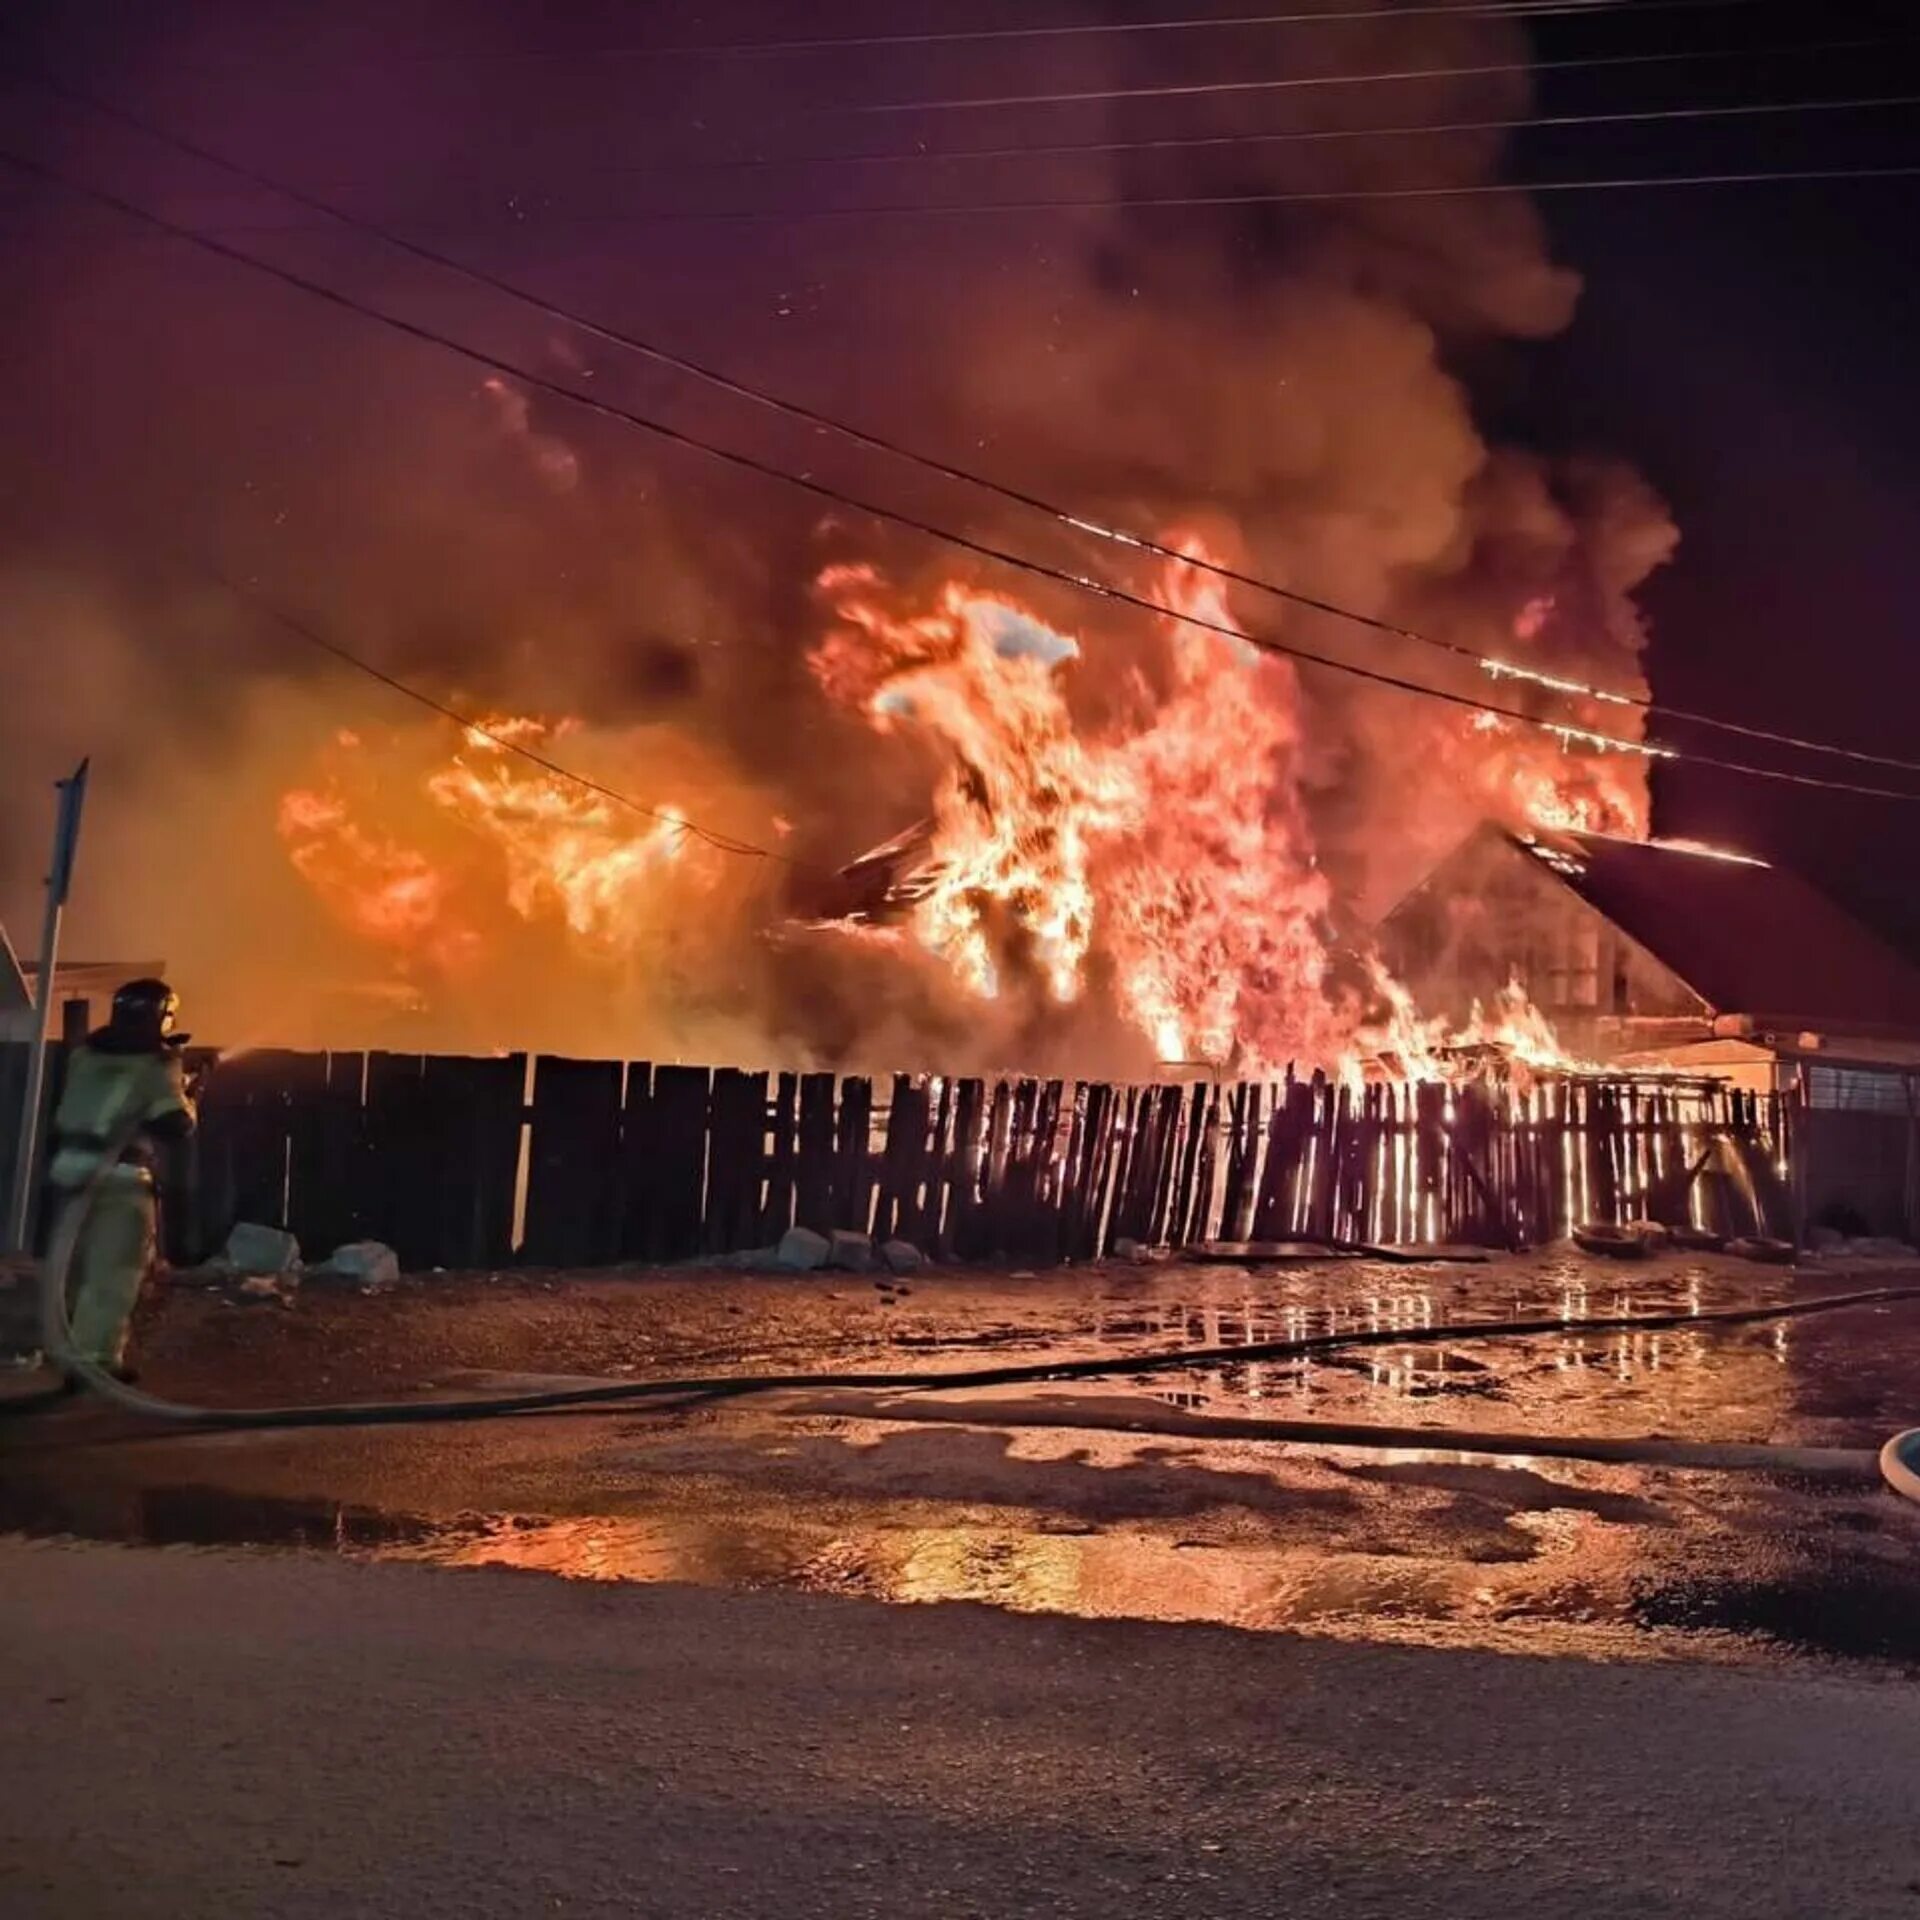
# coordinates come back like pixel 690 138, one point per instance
pixel 1284 386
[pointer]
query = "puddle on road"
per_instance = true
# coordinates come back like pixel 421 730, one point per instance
pixel 1807 1381
pixel 1421 1546
pixel 1059 1566
pixel 1546 1568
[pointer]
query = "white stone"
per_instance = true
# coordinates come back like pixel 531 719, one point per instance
pixel 370 1262
pixel 256 1249
pixel 801 1250
pixel 850 1252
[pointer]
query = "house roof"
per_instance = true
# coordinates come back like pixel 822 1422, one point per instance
pixel 1747 938
pixel 14 994
pixel 72 979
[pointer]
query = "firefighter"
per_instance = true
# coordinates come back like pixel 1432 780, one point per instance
pixel 126 1096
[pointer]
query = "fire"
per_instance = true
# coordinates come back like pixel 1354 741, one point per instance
pixel 1162 847
pixel 1117 822
pixel 381 888
pixel 1020 801
pixel 1527 779
pixel 1402 1043
pixel 1517 1029
pixel 485 827
pixel 1218 909
pixel 1566 778
pixel 565 847
pixel 1172 840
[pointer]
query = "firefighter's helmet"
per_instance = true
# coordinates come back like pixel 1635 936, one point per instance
pixel 146 1010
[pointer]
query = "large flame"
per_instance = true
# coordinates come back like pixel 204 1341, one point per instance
pixel 384 889
pixel 1020 801
pixel 1129 830
pixel 1219 911
pixel 566 847
pixel 422 865
pixel 1165 847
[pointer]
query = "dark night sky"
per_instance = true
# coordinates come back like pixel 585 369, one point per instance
pixel 1749 349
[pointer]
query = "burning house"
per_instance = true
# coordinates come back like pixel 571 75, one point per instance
pixel 1668 955
pixel 1145 789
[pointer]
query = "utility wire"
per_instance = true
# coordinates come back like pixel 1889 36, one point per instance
pixel 1047 149
pixel 494 363
pixel 721 842
pixel 923 210
pixel 947 470
pixel 1200 88
pixel 1475 10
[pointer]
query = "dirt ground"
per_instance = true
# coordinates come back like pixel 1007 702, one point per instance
pixel 1839 1381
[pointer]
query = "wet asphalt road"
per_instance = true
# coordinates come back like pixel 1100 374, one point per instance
pixel 676 1662
pixel 218 1733
pixel 1418 1544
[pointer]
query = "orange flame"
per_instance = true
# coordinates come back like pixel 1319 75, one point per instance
pixel 1132 828
pixel 1170 841
pixel 381 888
pixel 494 828
pixel 565 846
pixel 1020 799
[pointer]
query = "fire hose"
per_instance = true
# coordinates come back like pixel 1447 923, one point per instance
pixel 616 1395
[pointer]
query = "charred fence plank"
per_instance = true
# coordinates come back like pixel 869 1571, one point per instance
pixel 572 1164
pixel 853 1178
pixel 783 1152
pixel 736 1160
pixel 813 1177
pixel 676 1136
pixel 965 1237
pixel 244 1143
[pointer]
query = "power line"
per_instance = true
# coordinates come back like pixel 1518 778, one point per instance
pixel 1288 83
pixel 1173 143
pixel 1035 150
pixel 750 463
pixel 723 843
pixel 1477 10
pixel 1333 196
pixel 947 470
pixel 1094 203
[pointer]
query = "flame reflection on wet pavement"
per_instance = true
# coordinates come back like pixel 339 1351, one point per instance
pixel 1417 1543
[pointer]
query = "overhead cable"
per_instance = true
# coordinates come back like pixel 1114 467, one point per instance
pixel 966 543
pixel 1494 666
pixel 1287 136
pixel 1473 10
pixel 1288 83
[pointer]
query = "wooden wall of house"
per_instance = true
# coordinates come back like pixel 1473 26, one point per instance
pixel 1492 909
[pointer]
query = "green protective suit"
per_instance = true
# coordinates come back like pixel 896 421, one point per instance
pixel 114 1094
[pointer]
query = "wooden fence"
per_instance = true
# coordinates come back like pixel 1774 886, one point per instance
pixel 463 1163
